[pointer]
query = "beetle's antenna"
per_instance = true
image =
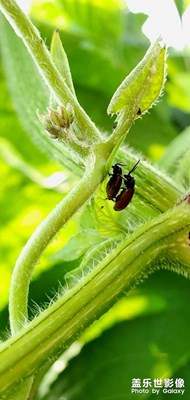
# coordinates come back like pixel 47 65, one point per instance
pixel 135 166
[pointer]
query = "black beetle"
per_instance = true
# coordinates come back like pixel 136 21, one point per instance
pixel 126 194
pixel 114 183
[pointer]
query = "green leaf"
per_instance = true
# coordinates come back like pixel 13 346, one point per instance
pixel 144 84
pixel 77 246
pixel 60 59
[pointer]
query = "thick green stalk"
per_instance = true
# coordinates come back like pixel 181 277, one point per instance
pixel 54 329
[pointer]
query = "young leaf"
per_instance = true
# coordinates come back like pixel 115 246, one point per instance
pixel 60 59
pixel 143 85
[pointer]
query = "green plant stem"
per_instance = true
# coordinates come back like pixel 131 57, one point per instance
pixel 54 329
pixel 122 129
pixel 40 54
pixel 43 235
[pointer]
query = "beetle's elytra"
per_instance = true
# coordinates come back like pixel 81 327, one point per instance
pixel 114 185
pixel 125 196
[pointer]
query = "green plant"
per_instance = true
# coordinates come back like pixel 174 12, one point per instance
pixel 156 234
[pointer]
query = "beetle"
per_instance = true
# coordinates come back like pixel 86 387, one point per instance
pixel 114 183
pixel 125 196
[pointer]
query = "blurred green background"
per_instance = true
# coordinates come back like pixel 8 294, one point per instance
pixel 104 42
